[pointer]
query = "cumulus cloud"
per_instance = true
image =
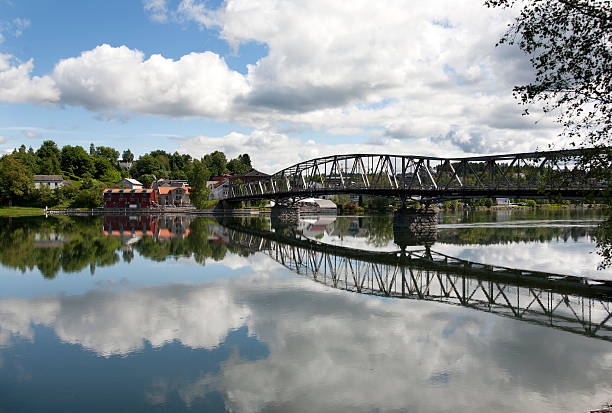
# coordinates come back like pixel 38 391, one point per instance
pixel 423 71
pixel 117 78
pixel 18 86
pixel 272 151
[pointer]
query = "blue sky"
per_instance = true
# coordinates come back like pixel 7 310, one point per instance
pixel 281 80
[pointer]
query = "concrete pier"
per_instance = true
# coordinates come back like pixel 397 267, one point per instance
pixel 415 226
pixel 285 213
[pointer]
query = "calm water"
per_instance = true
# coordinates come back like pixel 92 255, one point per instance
pixel 180 314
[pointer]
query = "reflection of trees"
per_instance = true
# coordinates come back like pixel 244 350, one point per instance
pixel 54 244
pixel 379 230
pixel 487 236
pixel 72 244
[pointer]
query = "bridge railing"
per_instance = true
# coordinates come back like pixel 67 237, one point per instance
pixel 570 303
pixel 554 171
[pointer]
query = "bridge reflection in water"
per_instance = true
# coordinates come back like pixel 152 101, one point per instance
pixel 574 304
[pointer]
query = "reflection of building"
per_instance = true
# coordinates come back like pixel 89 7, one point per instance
pixel 317 205
pixel 52 181
pixel 311 228
pixel 129 198
pixel 50 240
pixel 132 228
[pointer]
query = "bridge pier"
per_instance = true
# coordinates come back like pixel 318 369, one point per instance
pixel 415 226
pixel 287 214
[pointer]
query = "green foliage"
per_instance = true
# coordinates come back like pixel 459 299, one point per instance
pixel 239 165
pixel 199 191
pixel 48 159
pixel 377 203
pixel 146 180
pixel 91 195
pixel 569 47
pixel 97 169
pixel 16 180
pixel 108 153
pixel 127 156
pixel 216 163
pixel 603 238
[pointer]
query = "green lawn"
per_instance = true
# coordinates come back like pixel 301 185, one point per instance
pixel 20 211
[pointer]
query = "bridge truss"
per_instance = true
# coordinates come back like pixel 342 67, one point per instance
pixel 574 304
pixel 525 175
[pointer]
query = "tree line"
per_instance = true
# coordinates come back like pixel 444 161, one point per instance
pixel 88 172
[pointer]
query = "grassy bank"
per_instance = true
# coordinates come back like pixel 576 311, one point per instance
pixel 20 211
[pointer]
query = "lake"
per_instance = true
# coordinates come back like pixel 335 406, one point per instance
pixel 500 311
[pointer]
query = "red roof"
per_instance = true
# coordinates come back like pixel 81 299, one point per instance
pixel 163 190
pixel 127 191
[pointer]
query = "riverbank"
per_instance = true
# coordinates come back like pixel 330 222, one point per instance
pixel 155 211
pixel 21 211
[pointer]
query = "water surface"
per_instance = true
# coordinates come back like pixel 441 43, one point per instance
pixel 176 314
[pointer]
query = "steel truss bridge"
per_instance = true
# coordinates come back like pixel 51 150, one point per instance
pixel 574 304
pixel 522 175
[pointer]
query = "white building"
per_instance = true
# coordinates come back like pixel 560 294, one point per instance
pixel 502 201
pixel 219 189
pixel 52 181
pixel 129 183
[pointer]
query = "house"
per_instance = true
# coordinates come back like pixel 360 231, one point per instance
pixel 219 185
pixel 169 182
pixel 129 183
pixel 173 196
pixel 52 181
pixel 129 198
pixel 126 166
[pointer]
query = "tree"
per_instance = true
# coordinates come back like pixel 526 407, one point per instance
pixel 199 191
pixel 109 153
pixel 216 163
pixel 48 158
pixel 15 178
pixel 240 164
pixel 568 42
pixel 127 156
pixel 75 161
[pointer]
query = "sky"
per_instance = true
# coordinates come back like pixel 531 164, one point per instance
pixel 284 81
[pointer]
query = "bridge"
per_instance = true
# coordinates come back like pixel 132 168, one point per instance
pixel 567 174
pixel 570 303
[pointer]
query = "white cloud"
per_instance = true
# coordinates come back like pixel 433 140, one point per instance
pixel 19 25
pixel 330 350
pixel 29 134
pixel 118 78
pixel 18 86
pixel 2 139
pixel 157 10
pixel 428 71
pixel 111 323
pixel 272 151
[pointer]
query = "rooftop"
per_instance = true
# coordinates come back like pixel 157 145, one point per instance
pixel 48 178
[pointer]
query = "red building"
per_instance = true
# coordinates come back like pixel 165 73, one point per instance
pixel 129 198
